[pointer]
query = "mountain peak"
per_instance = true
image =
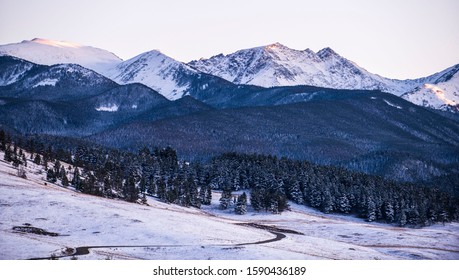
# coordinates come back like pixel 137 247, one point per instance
pixel 153 52
pixel 278 65
pixel 327 53
pixel 60 44
pixel 276 45
pixel 50 52
pixel 156 70
pixel 150 55
pixel 156 59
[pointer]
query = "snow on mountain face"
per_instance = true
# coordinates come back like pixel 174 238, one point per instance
pixel 278 65
pixel 108 108
pixel 155 70
pixel 441 92
pixel 63 82
pixel 12 69
pixel 48 52
pixel 266 66
pixel 72 73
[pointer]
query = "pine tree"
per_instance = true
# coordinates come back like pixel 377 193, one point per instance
pixel 195 200
pixel 89 184
pixel 2 140
pixel 202 195
pixel 273 206
pixel 131 193
pixel 15 149
pixel 37 159
pixel 225 200
pixel 208 199
pixel 57 168
pixel 295 193
pixel 403 219
pixel 255 199
pixel 8 157
pixel 45 162
pixel 344 205
pixel 152 186
pixel 161 192
pixel 143 185
pixel 24 160
pixel 64 179
pixel 107 186
pixel 205 195
pixel 62 172
pixel 327 202
pixel 76 180
pixel 389 212
pixel 282 204
pixel 241 204
pixel 371 210
pixel 51 176
pixel 443 217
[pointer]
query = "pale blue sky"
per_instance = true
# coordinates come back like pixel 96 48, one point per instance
pixel 393 38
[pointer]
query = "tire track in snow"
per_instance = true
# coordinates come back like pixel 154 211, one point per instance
pixel 85 250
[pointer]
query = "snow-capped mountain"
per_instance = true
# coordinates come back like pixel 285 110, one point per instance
pixel 267 66
pixel 70 100
pixel 64 73
pixel 169 77
pixel 440 91
pixel 49 52
pixel 155 70
pixel 57 82
pixel 278 65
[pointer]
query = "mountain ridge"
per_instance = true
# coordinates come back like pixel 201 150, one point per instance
pixel 265 66
pixel 278 65
pixel 155 70
pixel 49 52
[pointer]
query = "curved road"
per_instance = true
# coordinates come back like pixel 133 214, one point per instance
pixel 85 250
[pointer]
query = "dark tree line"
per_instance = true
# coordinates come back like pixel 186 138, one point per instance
pixel 116 174
pixel 273 181
pixel 133 176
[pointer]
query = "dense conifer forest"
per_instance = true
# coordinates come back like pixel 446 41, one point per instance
pixel 268 183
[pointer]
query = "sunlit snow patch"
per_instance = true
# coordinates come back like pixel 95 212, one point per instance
pixel 393 105
pixel 107 108
pixel 440 94
pixel 59 44
pixel 46 82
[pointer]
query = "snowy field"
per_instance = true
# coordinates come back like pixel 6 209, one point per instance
pixel 115 229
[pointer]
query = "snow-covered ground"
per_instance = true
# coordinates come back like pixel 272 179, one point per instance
pixel 166 231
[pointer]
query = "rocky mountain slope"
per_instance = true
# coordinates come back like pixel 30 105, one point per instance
pixel 277 65
pixel 267 66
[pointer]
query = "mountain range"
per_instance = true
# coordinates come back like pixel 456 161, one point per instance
pixel 267 66
pixel 277 65
pixel 153 100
